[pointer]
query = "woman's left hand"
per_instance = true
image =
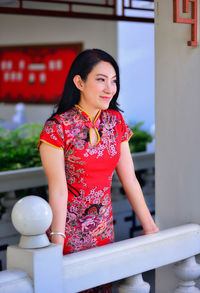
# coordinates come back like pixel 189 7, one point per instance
pixel 152 231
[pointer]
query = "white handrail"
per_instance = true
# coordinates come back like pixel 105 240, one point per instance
pixel 22 178
pixel 90 268
pixel 129 257
pixel 15 281
pixel 93 267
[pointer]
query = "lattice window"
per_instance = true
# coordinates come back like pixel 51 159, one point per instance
pixel 187 6
pixel 99 9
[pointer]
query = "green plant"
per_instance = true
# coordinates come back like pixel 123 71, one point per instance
pixel 18 148
pixel 140 138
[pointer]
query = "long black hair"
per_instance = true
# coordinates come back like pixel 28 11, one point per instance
pixel 83 65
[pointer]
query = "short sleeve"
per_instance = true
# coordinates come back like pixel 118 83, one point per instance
pixel 52 134
pixel 126 132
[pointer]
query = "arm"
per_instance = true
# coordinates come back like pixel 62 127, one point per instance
pixel 54 168
pixel 126 173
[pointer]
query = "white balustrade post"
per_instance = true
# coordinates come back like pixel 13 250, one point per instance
pixel 42 261
pixel 187 271
pixel 134 284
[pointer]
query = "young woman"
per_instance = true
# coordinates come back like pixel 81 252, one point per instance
pixel 81 145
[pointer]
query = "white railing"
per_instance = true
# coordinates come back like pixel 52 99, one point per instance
pixel 129 258
pixel 15 281
pixel 46 270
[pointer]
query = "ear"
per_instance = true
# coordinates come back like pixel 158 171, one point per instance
pixel 78 82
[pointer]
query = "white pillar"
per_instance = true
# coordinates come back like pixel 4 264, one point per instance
pixel 187 271
pixel 177 126
pixel 42 261
pixel 134 284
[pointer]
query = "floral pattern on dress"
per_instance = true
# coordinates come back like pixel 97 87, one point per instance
pixel 89 169
pixel 89 219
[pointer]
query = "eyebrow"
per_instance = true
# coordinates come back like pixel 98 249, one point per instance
pixel 105 75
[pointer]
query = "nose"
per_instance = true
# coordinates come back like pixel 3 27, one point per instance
pixel 109 87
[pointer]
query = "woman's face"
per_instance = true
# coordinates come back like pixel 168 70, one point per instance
pixel 99 88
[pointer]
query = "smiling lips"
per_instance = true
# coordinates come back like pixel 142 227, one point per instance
pixel 105 98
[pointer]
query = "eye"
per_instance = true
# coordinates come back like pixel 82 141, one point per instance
pixel 114 81
pixel 100 79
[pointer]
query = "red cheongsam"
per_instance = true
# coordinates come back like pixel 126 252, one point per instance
pixel 89 169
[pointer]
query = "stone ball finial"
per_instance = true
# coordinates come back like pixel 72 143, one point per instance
pixel 31 217
pixel 19 107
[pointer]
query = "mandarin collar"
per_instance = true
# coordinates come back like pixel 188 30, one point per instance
pixel 88 117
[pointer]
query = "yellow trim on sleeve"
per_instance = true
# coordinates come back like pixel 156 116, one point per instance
pixel 128 138
pixel 60 148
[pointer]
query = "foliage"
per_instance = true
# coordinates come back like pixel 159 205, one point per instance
pixel 139 139
pixel 18 148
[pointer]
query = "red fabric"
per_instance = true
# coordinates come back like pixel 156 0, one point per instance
pixel 89 170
